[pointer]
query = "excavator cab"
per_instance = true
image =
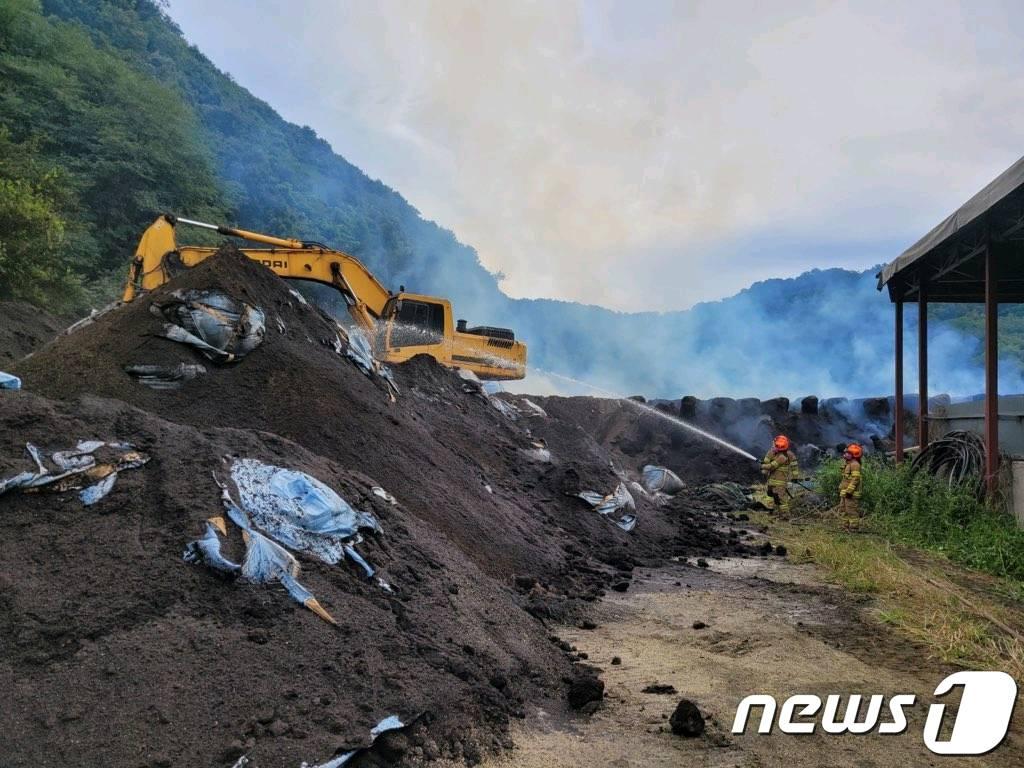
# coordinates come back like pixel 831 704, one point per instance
pixel 400 325
pixel 415 324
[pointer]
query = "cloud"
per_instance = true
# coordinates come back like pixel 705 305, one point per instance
pixel 648 155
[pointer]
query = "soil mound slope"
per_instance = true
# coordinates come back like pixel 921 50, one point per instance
pixel 113 647
pixel 23 329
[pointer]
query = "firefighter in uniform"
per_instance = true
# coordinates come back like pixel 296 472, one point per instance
pixel 779 467
pixel 850 487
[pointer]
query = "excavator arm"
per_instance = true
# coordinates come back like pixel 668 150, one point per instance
pixel 490 353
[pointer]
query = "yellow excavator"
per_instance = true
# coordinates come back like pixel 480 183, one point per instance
pixel 400 325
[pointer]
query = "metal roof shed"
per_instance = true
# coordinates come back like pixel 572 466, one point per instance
pixel 976 255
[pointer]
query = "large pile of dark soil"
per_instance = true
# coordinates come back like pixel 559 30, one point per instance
pixel 23 329
pixel 112 647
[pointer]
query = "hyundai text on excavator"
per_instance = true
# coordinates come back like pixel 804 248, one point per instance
pixel 400 325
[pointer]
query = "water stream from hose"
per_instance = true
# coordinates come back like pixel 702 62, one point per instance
pixel 649 409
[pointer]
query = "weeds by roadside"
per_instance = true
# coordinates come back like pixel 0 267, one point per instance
pixel 915 528
pixel 921 511
pixel 913 592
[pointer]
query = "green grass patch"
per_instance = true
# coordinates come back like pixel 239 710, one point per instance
pixel 917 598
pixel 918 510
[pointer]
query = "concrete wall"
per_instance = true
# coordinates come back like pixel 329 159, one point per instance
pixel 1016 502
pixel 969 416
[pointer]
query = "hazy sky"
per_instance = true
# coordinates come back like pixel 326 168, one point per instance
pixel 647 155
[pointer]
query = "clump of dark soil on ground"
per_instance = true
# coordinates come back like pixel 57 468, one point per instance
pixel 23 329
pixel 111 646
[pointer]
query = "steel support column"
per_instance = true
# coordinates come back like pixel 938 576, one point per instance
pixel 991 373
pixel 898 409
pixel 922 364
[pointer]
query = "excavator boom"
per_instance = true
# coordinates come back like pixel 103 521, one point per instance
pixel 401 325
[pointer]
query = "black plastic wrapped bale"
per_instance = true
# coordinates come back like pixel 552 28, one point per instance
pixel 688 407
pixel 877 408
pixel 776 407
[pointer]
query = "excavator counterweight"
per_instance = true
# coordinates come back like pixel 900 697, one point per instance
pixel 400 325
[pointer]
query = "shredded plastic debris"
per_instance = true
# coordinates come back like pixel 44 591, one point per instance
pixel 298 297
pixel 506 408
pixel 381 493
pixel 207 549
pixel 539 452
pixel 9 381
pixel 391 723
pixel 165 376
pixel 94 493
pixel 619 499
pixel 534 409
pixel 358 349
pixel 471 382
pixel 661 480
pixel 224 329
pixel 265 561
pixel 75 468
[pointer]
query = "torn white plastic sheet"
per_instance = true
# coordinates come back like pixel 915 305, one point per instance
pixel 382 494
pixel 534 409
pixel 661 480
pixel 507 409
pixel 391 723
pixel 79 458
pixel 540 455
pixel 9 381
pixel 539 452
pixel 619 499
pixel 223 328
pixel 471 383
pixel 77 467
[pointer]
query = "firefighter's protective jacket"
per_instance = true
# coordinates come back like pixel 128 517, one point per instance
pixel 780 467
pixel 851 482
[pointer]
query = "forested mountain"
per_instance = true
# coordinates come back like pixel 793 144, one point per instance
pixel 109 117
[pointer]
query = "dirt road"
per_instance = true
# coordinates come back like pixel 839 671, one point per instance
pixel 772 627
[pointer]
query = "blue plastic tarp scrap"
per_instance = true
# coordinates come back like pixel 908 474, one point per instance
pixel 281 508
pixel 223 328
pixel 71 469
pixel 9 381
pixel 265 560
pixel 206 550
pixel 360 351
pixel 298 510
